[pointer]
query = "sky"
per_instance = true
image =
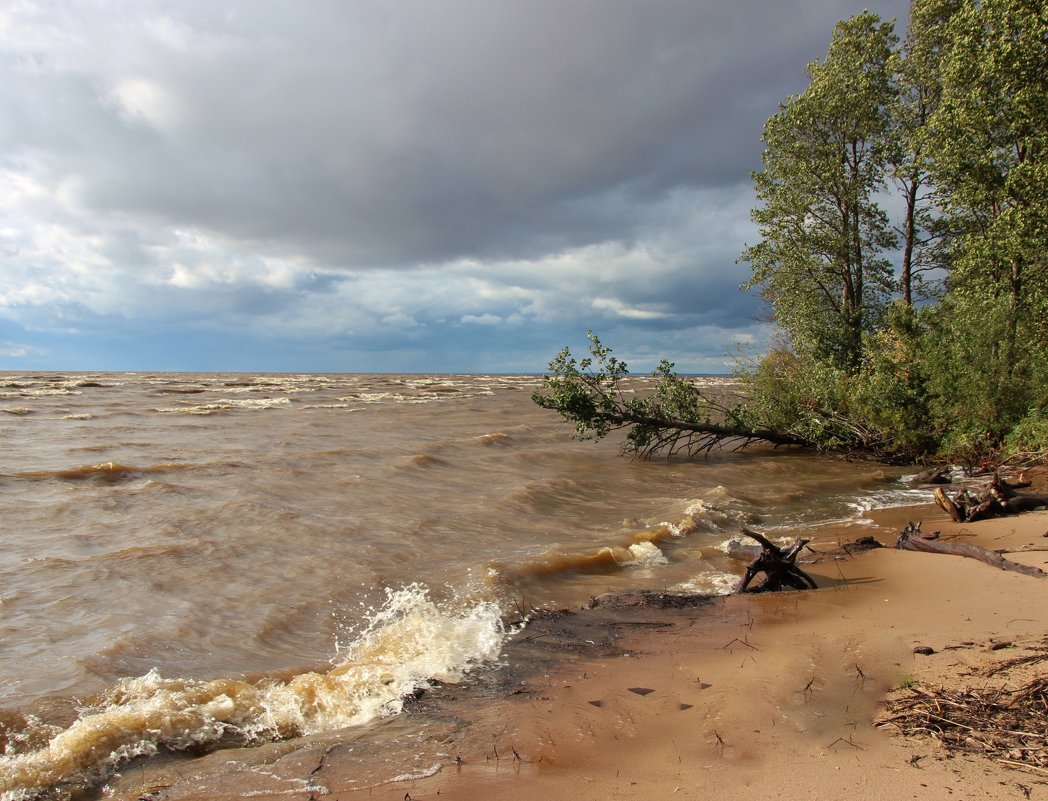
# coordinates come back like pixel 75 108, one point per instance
pixel 387 186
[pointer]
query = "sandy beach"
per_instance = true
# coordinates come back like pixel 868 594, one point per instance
pixel 742 697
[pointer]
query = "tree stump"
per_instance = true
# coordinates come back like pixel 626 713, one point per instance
pixel 778 565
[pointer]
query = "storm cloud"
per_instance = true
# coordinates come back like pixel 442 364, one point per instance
pixel 374 185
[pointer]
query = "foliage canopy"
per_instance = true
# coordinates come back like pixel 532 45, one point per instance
pixel 915 334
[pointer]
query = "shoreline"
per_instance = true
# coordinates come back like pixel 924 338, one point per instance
pixel 734 697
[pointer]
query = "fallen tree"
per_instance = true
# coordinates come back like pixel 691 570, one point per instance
pixel 674 417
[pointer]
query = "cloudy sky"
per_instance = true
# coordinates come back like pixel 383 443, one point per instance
pixel 386 185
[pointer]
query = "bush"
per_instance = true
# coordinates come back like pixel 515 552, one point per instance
pixel 1028 441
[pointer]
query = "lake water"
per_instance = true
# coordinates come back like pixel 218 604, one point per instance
pixel 190 557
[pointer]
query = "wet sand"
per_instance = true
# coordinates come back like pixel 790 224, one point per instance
pixel 741 697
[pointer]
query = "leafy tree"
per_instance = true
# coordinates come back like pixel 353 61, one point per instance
pixel 597 396
pixel 956 121
pixel 990 141
pixel 820 262
pixel 918 80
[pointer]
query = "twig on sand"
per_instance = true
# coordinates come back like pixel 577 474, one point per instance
pixel 845 741
pixel 1009 726
pixel 740 642
pixel 1023 765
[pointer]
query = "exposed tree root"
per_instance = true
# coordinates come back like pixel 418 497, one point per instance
pixel 778 565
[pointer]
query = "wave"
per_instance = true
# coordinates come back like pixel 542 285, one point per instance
pixel 227 405
pixel 608 559
pixel 712 583
pixel 427 460
pixel 109 472
pixel 494 438
pixel 415 393
pixel 406 645
pixel 646 547
pixel 892 497
pixel 38 392
pixel 642 551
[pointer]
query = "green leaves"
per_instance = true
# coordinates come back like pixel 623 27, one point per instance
pixel 955 120
pixel 820 262
pixel 662 414
pixel 590 398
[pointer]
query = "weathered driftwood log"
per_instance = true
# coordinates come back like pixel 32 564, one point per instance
pixel 778 565
pixel 996 500
pixel 912 539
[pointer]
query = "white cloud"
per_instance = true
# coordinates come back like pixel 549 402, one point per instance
pixel 482 319
pixel 14 351
pixel 399 320
pixel 143 100
pixel 621 309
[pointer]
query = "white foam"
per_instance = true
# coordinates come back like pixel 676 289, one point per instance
pixel 646 554
pixel 710 583
pixel 408 643
pixel 423 774
pixel 225 404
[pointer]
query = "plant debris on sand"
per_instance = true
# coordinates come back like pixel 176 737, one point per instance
pixel 1007 725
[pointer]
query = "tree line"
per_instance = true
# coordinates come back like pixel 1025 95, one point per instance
pixel 903 220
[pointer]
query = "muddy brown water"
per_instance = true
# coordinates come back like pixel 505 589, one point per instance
pixel 195 559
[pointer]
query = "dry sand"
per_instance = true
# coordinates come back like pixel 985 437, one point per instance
pixel 760 696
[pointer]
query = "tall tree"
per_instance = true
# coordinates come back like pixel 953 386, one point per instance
pixel 820 261
pixel 918 76
pixel 957 121
pixel 990 135
pixel 989 138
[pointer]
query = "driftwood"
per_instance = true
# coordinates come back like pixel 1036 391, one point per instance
pixel 998 499
pixel 911 539
pixel 778 565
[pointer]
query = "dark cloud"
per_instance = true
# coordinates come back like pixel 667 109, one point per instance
pixel 374 134
pixel 335 180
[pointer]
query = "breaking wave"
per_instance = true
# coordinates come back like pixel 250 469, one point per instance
pixel 108 472
pixel 227 405
pixel 407 644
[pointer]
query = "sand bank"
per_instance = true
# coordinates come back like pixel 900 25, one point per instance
pixel 745 697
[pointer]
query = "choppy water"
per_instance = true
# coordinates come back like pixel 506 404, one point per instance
pixel 192 558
